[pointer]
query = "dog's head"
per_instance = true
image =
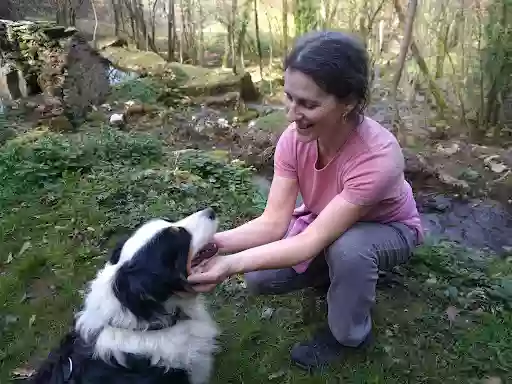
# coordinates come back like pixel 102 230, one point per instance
pixel 155 261
pixel 145 272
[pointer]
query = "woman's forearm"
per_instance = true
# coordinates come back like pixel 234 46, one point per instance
pixel 279 254
pixel 251 234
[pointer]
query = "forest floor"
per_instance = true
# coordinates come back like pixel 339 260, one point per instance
pixel 66 197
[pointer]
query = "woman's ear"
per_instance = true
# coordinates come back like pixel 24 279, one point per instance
pixel 348 109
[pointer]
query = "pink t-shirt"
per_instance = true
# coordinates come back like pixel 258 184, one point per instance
pixel 368 170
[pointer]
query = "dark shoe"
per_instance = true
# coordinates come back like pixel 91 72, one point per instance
pixel 320 351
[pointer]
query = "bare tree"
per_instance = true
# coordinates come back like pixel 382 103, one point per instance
pixel 406 42
pixel 95 23
pixel 285 27
pixel 117 16
pixel 171 31
pixel 66 11
pixel 422 64
pixel 258 41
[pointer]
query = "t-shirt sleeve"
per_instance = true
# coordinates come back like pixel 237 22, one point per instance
pixel 285 156
pixel 374 175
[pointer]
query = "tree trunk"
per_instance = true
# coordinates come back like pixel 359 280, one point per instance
pixel 142 24
pixel 258 41
pixel 191 34
pixel 406 42
pixel 200 45
pixel 232 41
pixel 171 31
pixel 153 20
pixel 227 47
pixel 95 23
pixel 285 29
pixel 434 89
pixel 132 10
pixel 117 22
pixel 240 42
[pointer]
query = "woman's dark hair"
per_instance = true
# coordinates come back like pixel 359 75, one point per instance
pixel 337 63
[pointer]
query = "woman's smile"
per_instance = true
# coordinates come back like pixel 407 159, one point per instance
pixel 304 127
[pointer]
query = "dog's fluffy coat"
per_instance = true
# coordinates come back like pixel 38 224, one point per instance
pixel 139 324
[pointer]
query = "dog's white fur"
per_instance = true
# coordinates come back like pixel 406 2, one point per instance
pixel 188 345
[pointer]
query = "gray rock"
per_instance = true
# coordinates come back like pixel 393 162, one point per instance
pixel 12 83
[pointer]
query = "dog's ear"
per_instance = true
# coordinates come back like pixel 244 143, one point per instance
pixel 115 255
pixel 154 273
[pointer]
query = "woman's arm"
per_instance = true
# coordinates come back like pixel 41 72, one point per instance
pixel 268 227
pixel 338 216
pixel 333 221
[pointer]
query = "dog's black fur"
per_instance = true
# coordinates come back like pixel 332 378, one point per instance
pixel 142 285
pixel 150 277
pixel 71 363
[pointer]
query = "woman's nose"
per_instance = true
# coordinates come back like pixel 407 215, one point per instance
pixel 292 114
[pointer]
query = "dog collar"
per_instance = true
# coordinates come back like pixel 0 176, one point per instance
pixel 167 320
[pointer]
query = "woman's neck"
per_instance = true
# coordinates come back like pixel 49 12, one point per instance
pixel 330 143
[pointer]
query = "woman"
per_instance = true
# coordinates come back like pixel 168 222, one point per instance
pixel 359 213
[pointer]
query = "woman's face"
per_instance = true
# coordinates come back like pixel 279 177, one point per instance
pixel 315 112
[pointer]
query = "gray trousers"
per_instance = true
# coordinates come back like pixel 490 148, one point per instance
pixel 351 267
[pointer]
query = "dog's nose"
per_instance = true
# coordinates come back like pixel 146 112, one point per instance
pixel 210 213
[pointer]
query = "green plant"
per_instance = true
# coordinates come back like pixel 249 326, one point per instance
pixel 46 159
pixel 465 277
pixel 81 192
pixel 144 90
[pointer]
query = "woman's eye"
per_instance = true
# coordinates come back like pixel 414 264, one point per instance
pixel 309 105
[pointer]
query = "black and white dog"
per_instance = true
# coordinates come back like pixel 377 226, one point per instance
pixel 141 322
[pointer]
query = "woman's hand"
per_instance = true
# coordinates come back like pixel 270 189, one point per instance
pixel 211 272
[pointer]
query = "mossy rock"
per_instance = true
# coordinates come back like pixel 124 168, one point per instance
pixel 249 115
pixel 273 122
pixel 193 80
pixel 150 63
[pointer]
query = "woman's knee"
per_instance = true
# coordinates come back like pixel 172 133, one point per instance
pixel 270 282
pixel 256 282
pixel 352 253
pixel 368 246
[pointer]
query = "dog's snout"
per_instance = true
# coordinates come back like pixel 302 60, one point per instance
pixel 210 213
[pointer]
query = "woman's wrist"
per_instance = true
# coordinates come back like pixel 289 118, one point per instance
pixel 235 263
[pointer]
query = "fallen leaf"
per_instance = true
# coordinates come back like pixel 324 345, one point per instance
pixel 26 245
pixel 9 258
pixel 492 380
pixel 10 319
pixel 23 372
pixel 31 321
pixel 497 167
pixel 276 375
pixel 452 313
pixel 26 297
pixel 451 150
pixel 267 313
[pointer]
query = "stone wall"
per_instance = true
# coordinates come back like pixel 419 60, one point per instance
pixel 54 61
